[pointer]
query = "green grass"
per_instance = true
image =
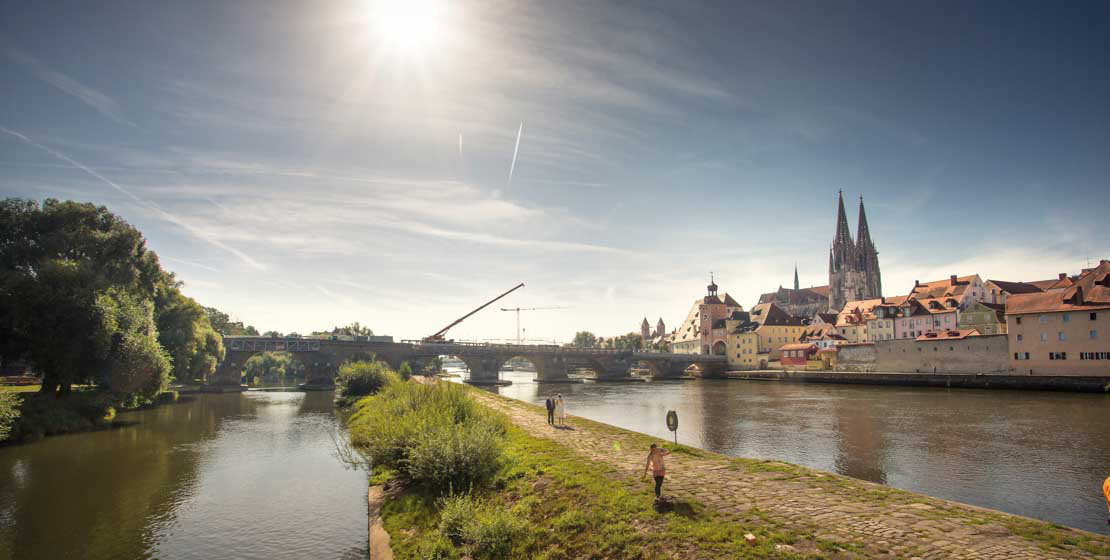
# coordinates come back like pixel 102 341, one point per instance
pixel 576 508
pixel 20 388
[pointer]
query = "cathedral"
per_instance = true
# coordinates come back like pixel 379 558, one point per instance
pixel 853 266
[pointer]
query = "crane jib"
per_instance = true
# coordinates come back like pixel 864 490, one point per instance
pixel 439 335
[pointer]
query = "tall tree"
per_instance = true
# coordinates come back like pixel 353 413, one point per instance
pixel 585 339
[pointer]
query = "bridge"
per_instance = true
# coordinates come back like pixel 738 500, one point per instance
pixel 322 358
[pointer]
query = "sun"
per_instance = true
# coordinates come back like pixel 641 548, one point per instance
pixel 409 25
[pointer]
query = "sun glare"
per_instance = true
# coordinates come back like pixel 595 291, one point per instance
pixel 409 25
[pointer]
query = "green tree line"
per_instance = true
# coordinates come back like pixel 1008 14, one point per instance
pixel 85 302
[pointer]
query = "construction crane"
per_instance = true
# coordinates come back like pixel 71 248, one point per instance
pixel 519 309
pixel 438 337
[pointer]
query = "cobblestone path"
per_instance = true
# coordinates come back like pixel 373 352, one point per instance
pixel 870 520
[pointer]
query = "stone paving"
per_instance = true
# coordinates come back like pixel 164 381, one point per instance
pixel 870 520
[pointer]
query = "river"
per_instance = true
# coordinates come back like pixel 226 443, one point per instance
pixel 1037 454
pixel 244 476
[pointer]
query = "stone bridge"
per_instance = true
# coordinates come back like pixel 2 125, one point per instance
pixel 322 358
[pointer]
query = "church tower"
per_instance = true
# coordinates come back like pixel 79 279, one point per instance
pixel 660 328
pixel 853 266
pixel 796 287
pixel 645 330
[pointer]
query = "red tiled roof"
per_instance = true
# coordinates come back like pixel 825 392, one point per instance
pixel 1016 287
pixel 1089 291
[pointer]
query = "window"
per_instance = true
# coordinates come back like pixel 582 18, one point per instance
pixel 1017 320
pixel 1060 335
pixel 1044 337
pixel 1042 318
pixel 1066 317
pixel 1057 355
pixel 1020 338
pixel 1093 335
pixel 1094 316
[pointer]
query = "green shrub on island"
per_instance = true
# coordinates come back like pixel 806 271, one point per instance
pixel 9 412
pixel 433 434
pixel 487 531
pixel 360 379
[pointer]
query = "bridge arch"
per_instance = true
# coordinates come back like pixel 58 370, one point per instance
pixel 720 348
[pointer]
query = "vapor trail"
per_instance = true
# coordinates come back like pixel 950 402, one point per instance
pixel 205 236
pixel 460 145
pixel 516 149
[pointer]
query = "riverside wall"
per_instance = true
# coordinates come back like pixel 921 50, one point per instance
pixel 1099 384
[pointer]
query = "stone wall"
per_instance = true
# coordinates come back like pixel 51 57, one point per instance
pixel 972 355
pixel 856 357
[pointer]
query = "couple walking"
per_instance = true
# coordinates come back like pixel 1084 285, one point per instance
pixel 556 411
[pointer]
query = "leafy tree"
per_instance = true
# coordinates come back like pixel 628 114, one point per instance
pixel 186 333
pixel 585 339
pixel 221 322
pixel 9 412
pixel 272 334
pixel 66 264
pixel 353 329
pixel 405 371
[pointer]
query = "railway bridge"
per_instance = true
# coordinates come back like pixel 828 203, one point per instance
pixel 322 358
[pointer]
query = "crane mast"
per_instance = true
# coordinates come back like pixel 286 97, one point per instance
pixel 438 337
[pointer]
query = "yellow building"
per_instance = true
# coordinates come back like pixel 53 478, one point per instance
pixel 776 327
pixel 987 318
pixel 853 319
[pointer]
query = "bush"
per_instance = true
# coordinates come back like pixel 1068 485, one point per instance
pixel 405 371
pixel 167 397
pixel 455 513
pixel 455 456
pixel 437 549
pixel 493 533
pixel 360 379
pixel 433 434
pixel 9 412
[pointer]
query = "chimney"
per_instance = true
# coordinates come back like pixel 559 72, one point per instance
pixel 952 280
pixel 916 283
pixel 1063 275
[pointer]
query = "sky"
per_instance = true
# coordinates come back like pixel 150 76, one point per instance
pixel 306 164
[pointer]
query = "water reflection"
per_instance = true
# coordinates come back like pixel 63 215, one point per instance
pixel 243 476
pixel 1037 454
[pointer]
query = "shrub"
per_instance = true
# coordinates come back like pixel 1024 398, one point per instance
pixel 405 371
pixel 493 533
pixel 458 456
pixel 433 434
pixel 438 548
pixel 167 397
pixel 9 412
pixel 359 379
pixel 455 513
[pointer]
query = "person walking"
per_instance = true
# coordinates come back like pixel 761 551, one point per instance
pixel 550 411
pixel 1106 490
pixel 560 410
pixel 658 467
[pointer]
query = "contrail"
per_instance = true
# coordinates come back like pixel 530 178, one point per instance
pixel 460 144
pixel 150 205
pixel 516 149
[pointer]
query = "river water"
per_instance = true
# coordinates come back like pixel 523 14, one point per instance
pixel 244 476
pixel 1037 454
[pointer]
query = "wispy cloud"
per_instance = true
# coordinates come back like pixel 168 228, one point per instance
pixel 197 232
pixel 87 95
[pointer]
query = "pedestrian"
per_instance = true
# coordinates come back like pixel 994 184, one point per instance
pixel 657 466
pixel 550 411
pixel 1106 490
pixel 560 410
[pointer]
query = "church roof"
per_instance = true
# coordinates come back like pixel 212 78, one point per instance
pixel 800 296
pixel 730 302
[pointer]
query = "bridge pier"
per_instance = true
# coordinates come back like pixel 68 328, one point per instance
pixel 484 369
pixel 551 369
pixel 617 367
pixel 668 368
pixel 228 375
pixel 319 371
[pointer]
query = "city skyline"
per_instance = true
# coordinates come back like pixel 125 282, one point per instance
pixel 299 169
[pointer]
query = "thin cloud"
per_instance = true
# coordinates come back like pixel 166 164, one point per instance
pixel 87 95
pixel 191 263
pixel 142 203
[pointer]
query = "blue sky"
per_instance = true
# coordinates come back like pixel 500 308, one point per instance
pixel 306 164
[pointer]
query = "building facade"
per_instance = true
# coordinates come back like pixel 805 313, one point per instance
pixel 1064 330
pixel 853 265
pixel 987 318
pixel 704 330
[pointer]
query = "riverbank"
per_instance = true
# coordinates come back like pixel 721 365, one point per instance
pixel 580 493
pixel 81 411
pixel 1077 384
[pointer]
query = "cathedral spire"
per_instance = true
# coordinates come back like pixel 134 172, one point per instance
pixel 863 235
pixel 796 287
pixel 843 235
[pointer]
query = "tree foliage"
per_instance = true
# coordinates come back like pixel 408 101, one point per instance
pixel 221 322
pixel 85 302
pixel 272 367
pixel 584 339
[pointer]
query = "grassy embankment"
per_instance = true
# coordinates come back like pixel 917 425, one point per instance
pixel 538 499
pixel 85 409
